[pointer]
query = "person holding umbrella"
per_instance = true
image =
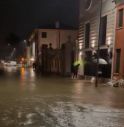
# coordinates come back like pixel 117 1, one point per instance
pixel 75 67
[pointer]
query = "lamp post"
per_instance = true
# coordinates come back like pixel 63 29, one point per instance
pixel 98 49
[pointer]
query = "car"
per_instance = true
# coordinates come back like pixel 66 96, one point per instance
pixel 11 63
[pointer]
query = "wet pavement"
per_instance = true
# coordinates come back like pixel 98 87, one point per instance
pixel 30 100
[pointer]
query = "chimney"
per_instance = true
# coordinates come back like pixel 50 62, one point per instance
pixel 57 24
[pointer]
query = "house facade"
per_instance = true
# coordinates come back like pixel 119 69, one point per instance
pixel 55 45
pixel 94 32
pixel 119 42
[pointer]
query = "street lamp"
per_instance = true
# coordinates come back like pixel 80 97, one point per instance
pixel 98 49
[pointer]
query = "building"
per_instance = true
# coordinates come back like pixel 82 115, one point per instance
pixel 61 39
pixel 119 42
pixel 89 38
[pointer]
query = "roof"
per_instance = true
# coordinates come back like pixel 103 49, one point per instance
pixel 61 26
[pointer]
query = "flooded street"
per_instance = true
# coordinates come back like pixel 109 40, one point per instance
pixel 29 100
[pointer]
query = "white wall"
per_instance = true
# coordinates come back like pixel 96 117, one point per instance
pixel 109 10
pixel 54 35
pixel 51 37
pixel 92 16
pixel 66 33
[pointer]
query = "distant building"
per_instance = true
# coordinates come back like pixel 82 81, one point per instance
pixel 58 37
pixel 88 36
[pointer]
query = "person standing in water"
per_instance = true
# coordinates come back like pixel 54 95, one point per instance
pixel 75 71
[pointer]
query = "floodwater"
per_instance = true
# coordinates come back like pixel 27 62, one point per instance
pixel 30 100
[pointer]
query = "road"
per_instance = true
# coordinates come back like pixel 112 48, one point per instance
pixel 30 100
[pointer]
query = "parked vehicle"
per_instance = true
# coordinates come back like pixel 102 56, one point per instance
pixel 11 63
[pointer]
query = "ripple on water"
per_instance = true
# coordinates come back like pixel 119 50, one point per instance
pixel 47 112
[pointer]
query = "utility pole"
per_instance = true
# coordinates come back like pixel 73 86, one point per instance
pixel 98 48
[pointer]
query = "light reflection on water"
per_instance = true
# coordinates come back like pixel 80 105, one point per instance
pixel 30 101
pixel 49 111
pixel 78 88
pixel 24 74
pixel 10 69
pixel 27 78
pixel 27 74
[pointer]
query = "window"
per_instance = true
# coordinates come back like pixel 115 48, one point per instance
pixel 103 30
pixel 118 54
pixel 44 34
pixel 87 35
pixel 120 18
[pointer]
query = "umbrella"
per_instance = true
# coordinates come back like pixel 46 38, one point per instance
pixel 76 63
pixel 101 61
pixel 79 62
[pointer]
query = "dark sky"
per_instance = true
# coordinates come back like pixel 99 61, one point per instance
pixel 21 16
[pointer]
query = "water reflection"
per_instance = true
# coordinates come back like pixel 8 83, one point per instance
pixel 27 78
pixel 39 111
pixel 30 101
pixel 27 74
pixel 78 87
pixel 10 69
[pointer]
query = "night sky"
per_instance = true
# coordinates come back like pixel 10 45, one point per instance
pixel 22 16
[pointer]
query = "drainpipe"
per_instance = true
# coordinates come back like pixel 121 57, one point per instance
pixel 113 51
pixel 98 49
